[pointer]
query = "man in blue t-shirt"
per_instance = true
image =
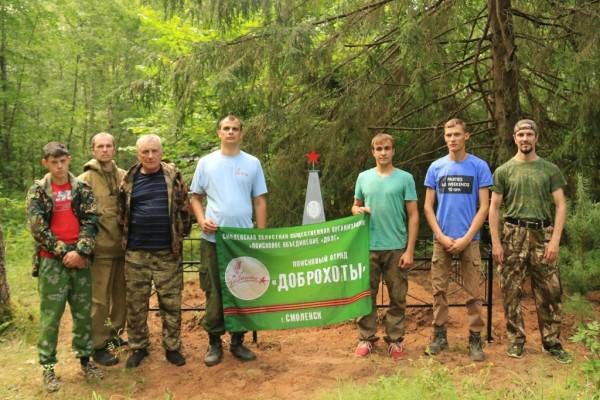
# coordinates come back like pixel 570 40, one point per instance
pixel 459 182
pixel 232 182
pixel 388 194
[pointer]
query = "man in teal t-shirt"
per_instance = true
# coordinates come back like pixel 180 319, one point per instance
pixel 529 187
pixel 388 194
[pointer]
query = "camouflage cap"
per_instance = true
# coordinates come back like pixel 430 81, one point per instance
pixel 526 124
pixel 55 149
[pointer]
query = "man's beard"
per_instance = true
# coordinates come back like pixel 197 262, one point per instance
pixel 526 150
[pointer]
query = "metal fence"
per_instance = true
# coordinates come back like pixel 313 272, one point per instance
pixel 191 263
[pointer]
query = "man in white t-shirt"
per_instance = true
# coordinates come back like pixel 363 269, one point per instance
pixel 233 183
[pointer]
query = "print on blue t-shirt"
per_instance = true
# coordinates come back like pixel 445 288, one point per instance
pixel 457 187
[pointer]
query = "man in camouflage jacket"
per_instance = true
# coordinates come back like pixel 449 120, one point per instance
pixel 61 213
pixel 155 214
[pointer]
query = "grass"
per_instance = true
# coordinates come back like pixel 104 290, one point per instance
pixel 429 380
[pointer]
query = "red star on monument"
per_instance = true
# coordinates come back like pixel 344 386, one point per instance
pixel 313 157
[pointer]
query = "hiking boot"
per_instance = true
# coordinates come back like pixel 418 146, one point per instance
pixel 558 353
pixel 91 371
pixel 396 350
pixel 238 349
pixel 475 346
pixel 439 342
pixel 51 384
pixel 105 357
pixel 516 350
pixel 175 357
pixel 136 358
pixel 214 354
pixel 364 348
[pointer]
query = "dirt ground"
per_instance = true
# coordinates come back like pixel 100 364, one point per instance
pixel 299 364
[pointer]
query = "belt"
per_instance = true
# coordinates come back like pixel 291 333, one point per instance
pixel 528 223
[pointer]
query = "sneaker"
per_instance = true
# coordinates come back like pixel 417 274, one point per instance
pixel 50 380
pixel 559 354
pixel 91 371
pixel 396 350
pixel 175 357
pixel 136 358
pixel 364 348
pixel 516 350
pixel 105 357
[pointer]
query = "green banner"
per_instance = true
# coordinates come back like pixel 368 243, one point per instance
pixel 285 278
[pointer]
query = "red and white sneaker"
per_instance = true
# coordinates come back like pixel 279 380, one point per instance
pixel 396 350
pixel 364 348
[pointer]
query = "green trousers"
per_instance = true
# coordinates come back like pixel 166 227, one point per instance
pixel 210 282
pixel 58 285
pixel 108 300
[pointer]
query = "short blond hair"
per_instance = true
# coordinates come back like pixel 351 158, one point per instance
pixel 102 134
pixel 380 138
pixel 456 122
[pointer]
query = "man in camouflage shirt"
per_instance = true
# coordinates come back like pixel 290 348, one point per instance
pixel 61 214
pixel 529 187
pixel 155 214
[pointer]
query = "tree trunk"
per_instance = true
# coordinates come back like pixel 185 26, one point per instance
pixel 4 84
pixel 73 102
pixel 4 292
pixel 505 77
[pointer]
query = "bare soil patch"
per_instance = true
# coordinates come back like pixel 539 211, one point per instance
pixel 299 364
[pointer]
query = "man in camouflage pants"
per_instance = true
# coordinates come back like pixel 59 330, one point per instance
pixel 61 214
pixel 530 187
pixel 155 213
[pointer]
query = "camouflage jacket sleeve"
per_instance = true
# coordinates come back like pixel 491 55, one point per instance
pixel 88 217
pixel 39 211
pixel 184 207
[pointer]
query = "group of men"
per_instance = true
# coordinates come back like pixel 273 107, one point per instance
pixel 531 190
pixel 107 237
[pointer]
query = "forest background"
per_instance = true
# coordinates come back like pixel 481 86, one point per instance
pixel 305 75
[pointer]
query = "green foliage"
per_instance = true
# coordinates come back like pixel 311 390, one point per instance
pixel 12 213
pixel 580 259
pixel 589 335
pixel 579 306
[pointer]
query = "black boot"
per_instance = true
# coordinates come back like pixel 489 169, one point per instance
pixel 136 358
pixel 104 357
pixel 214 354
pixel 475 346
pixel 175 357
pixel 238 349
pixel 439 341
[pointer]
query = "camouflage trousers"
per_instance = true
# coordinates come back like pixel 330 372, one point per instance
pixel 523 255
pixel 386 263
pixel 470 271
pixel 109 308
pixel 142 268
pixel 58 285
pixel 210 282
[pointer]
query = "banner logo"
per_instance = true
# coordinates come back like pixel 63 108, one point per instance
pixel 246 278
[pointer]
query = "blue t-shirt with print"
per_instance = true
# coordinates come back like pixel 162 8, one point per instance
pixel 230 183
pixel 457 187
